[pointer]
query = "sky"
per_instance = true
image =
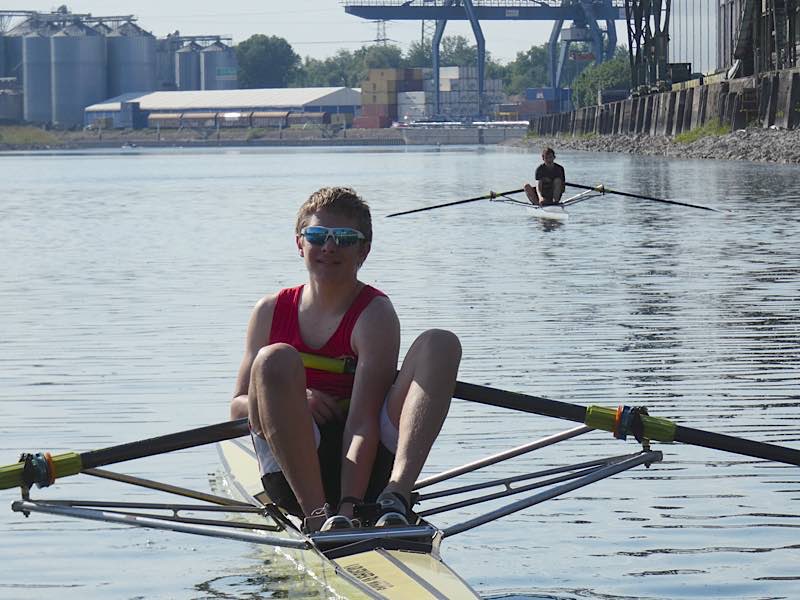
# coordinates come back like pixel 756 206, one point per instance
pixel 316 28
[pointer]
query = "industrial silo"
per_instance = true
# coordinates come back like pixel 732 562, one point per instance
pixel 37 103
pixel 218 67
pixel 78 58
pixel 131 60
pixel 187 67
pixel 13 47
pixel 102 28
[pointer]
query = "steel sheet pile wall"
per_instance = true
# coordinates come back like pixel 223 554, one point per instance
pixel 769 99
pixel 131 60
pixel 187 67
pixel 37 74
pixel 78 55
pixel 219 69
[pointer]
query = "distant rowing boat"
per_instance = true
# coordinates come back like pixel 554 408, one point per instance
pixel 551 212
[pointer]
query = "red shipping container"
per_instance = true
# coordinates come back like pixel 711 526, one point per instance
pixel 379 110
pixel 367 122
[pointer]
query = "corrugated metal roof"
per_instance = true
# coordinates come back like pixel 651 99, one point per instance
pixel 235 99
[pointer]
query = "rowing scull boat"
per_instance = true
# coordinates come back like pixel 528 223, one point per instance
pixel 551 212
pixel 367 562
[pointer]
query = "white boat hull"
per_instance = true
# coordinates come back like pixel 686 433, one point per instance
pixel 552 212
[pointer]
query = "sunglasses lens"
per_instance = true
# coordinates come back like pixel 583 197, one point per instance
pixel 315 235
pixel 346 237
pixel 343 236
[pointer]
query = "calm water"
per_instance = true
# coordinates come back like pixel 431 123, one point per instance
pixel 128 278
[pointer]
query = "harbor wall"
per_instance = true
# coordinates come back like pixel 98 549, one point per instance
pixel 766 100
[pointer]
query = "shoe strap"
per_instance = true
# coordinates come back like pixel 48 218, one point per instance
pixel 394 498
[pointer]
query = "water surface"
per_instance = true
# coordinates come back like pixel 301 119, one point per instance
pixel 128 278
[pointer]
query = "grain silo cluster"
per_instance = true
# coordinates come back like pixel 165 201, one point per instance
pixel 62 62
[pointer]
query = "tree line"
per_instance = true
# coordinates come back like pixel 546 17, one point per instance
pixel 271 62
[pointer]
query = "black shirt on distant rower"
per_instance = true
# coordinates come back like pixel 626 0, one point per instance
pixel 550 181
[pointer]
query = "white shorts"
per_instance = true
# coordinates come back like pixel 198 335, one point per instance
pixel 268 464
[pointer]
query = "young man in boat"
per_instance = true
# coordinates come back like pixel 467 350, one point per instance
pixel 329 441
pixel 550 181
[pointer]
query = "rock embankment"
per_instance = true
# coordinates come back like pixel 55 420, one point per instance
pixel 754 144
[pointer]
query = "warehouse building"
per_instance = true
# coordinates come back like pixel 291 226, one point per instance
pixel 226 108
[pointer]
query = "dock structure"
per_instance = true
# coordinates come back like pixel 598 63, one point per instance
pixel 593 22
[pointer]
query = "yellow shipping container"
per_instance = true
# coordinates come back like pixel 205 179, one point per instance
pixel 380 87
pixel 386 98
pixel 386 74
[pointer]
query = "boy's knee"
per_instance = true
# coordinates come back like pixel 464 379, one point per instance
pixel 442 342
pixel 276 360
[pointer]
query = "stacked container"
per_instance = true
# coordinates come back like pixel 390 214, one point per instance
pixel 459 96
pixel 380 95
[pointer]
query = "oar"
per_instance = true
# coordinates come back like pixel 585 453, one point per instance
pixel 605 418
pixel 489 196
pixel 43 469
pixel 602 188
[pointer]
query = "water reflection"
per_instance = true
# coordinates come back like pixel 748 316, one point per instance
pixel 127 289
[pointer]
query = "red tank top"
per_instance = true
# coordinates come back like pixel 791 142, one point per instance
pixel 286 328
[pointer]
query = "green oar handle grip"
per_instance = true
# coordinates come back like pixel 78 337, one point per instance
pixel 330 365
pixel 654 428
pixel 61 465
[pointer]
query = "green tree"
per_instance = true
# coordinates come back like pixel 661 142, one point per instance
pixel 339 70
pixel 457 51
pixel 378 56
pixel 419 55
pixel 266 62
pixel 528 69
pixel 612 74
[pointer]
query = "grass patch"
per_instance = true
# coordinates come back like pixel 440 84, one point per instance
pixel 711 128
pixel 26 136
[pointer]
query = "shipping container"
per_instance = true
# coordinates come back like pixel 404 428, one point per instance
pixel 370 122
pixel 379 110
pixel 386 74
pixel 233 119
pixel 309 118
pixel 276 119
pixel 345 119
pixel 164 120
pixel 385 98
pixel 199 119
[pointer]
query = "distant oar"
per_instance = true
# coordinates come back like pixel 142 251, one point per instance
pixel 655 428
pixel 489 196
pixel 602 188
pixel 43 469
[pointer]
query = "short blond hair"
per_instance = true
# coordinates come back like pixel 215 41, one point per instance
pixel 338 200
